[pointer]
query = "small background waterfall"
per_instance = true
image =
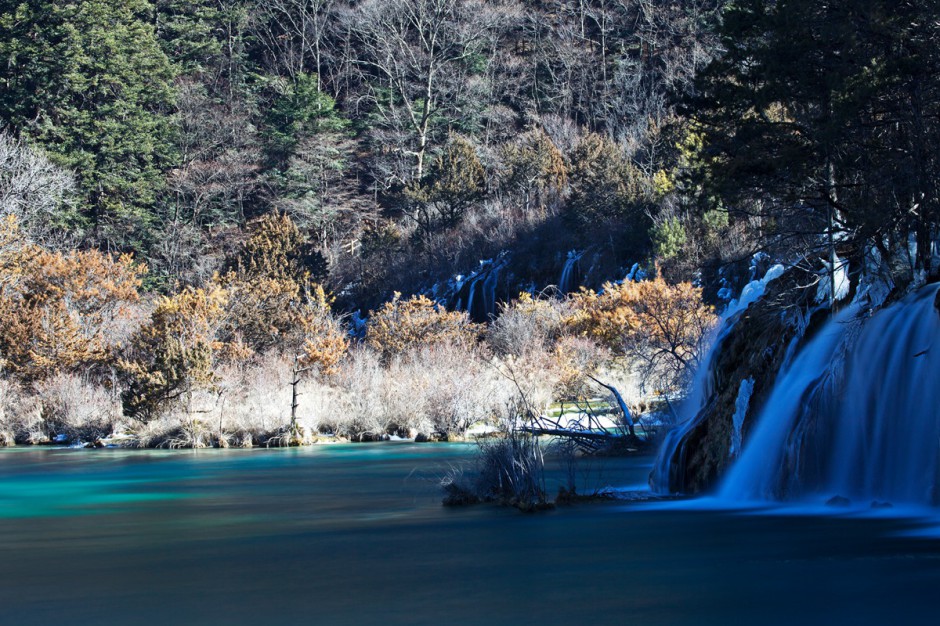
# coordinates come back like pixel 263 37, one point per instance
pixel 478 294
pixel 855 414
pixel 571 274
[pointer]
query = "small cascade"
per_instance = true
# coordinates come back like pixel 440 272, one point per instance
pixel 571 275
pixel 636 273
pixel 692 410
pixel 477 294
pixel 856 413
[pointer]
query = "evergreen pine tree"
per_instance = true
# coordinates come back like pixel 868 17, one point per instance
pixel 88 82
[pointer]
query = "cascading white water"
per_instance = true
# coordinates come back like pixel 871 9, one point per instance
pixel 570 278
pixel 856 413
pixel 473 293
pixel 489 290
pixel 481 288
pixel 757 472
pixel 690 412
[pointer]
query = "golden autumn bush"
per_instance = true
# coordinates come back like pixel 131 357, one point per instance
pixel 274 304
pixel 325 341
pixel 266 285
pixel 661 327
pixel 265 303
pixel 274 249
pixel 61 311
pixel 175 354
pixel 401 325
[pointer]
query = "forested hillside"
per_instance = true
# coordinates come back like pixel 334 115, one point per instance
pixel 407 139
pixel 192 189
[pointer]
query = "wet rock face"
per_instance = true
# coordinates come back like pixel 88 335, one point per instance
pixel 755 347
pixel 839 501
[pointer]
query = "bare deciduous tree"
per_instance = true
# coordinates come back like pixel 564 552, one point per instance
pixel 419 54
pixel 32 188
pixel 292 33
pixel 220 159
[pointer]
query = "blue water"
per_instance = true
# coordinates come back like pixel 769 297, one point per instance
pixel 355 534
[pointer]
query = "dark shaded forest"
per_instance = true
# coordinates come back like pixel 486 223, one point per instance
pixel 408 140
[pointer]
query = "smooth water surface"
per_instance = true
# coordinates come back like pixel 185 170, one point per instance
pixel 355 534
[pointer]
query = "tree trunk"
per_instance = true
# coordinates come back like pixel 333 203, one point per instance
pixel 425 122
pixel 295 382
pixel 627 416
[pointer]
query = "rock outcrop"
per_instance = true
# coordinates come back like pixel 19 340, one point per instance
pixel 753 347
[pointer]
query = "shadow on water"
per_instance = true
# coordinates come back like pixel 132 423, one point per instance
pixel 355 534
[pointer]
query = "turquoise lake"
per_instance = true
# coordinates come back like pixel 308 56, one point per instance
pixel 356 534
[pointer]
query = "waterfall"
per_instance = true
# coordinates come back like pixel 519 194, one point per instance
pixel 759 468
pixel 489 290
pixel 571 272
pixel 479 290
pixel 473 293
pixel 856 413
pixel 691 412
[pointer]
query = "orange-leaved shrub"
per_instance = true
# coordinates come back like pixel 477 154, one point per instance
pixel 274 304
pixel 402 325
pixel 175 354
pixel 267 285
pixel 661 327
pixel 61 311
pixel 325 342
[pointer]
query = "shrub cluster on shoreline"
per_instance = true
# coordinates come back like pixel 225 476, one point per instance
pixel 257 357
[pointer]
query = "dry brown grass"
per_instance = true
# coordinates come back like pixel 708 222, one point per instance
pixel 20 415
pixel 440 389
pixel 77 409
pixel 435 389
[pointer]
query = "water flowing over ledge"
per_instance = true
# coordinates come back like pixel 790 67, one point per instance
pixel 857 413
pixel 852 416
